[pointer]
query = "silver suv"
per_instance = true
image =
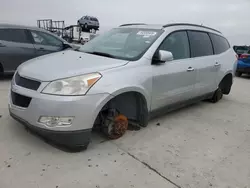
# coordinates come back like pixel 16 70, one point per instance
pixel 89 22
pixel 121 78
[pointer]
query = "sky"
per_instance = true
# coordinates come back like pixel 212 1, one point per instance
pixel 228 16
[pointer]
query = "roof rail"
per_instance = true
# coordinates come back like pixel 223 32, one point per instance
pixel 132 24
pixel 188 24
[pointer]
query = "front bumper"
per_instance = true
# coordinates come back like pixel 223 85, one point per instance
pixel 70 139
pixel 84 109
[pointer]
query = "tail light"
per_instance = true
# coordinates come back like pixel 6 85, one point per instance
pixel 244 56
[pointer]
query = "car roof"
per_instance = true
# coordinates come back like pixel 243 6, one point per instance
pixel 90 16
pixel 163 27
pixel 15 26
pixel 143 26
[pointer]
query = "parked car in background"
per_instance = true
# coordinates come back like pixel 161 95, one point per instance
pixel 127 75
pixel 89 22
pixel 20 43
pixel 243 65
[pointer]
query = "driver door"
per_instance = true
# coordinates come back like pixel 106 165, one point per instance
pixel 45 43
pixel 174 81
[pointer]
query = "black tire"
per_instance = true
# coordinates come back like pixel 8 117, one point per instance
pixel 216 96
pixel 144 119
pixel 238 74
pixel 1 71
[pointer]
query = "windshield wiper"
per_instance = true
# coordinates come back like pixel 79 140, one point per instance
pixel 101 54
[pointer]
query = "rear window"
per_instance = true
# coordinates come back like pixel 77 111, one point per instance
pixel 241 49
pixel 220 43
pixel 14 35
pixel 200 44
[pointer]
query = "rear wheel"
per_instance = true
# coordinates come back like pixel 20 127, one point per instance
pixel 1 71
pixel 238 74
pixel 216 96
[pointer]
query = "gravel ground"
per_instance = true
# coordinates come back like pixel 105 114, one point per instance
pixel 204 145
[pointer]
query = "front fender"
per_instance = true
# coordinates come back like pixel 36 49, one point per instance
pixel 132 77
pixel 118 92
pixel 133 89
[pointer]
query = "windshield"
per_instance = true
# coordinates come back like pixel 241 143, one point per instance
pixel 122 43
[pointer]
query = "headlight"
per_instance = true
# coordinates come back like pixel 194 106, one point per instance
pixel 78 85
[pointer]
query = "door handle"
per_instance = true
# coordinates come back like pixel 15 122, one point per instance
pixel 216 64
pixel 190 69
pixel 41 48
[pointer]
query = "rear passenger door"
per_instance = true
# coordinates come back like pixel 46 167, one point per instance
pixel 15 48
pixel 204 60
pixel 173 81
pixel 45 43
pixel 221 50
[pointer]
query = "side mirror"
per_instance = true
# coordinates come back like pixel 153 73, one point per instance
pixel 163 56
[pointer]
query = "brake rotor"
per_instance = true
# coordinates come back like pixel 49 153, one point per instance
pixel 117 127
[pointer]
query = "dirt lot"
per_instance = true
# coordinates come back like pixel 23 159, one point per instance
pixel 204 145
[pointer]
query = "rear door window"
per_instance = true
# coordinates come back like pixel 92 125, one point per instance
pixel 200 44
pixel 178 44
pixel 14 35
pixel 220 43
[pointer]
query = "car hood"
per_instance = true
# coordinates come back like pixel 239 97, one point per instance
pixel 66 64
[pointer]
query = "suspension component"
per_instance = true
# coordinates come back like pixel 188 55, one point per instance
pixel 115 124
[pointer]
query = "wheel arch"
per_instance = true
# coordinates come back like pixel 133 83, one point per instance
pixel 126 100
pixel 226 82
pixel 138 90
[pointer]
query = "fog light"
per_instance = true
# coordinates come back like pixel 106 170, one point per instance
pixel 53 121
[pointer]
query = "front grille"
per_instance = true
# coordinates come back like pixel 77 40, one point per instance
pixel 20 100
pixel 27 83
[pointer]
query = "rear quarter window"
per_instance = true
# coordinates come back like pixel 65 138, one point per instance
pixel 14 35
pixel 220 43
pixel 200 44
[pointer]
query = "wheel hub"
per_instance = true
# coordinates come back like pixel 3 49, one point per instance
pixel 117 127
